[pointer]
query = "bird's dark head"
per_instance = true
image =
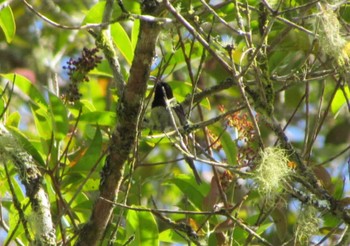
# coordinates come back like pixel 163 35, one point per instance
pixel 159 98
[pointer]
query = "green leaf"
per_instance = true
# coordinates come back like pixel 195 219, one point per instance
pixel 18 189
pixel 7 23
pixel 228 144
pixel 143 226
pixel 135 33
pixel 170 236
pixel 88 158
pixel 262 228
pixel 180 89
pixel 91 185
pixel 59 117
pixel 339 99
pixel 240 235
pixel 344 11
pixel 102 69
pixel 190 188
pixel 83 105
pixel 13 119
pixel 2 104
pixel 101 118
pixel 15 231
pixel 281 222
pixel 42 121
pixel 337 135
pixel 183 89
pixel 95 13
pixel 26 145
pixel 27 87
pixel 122 41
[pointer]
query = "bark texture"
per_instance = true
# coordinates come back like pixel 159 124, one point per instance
pixel 125 134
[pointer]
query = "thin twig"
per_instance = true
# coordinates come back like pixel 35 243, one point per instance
pixel 18 206
pixel 10 96
pixel 335 156
pixel 212 11
pixel 248 229
pixel 196 35
pixel 122 17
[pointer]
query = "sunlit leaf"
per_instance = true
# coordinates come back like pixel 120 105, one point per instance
pixel 101 118
pixel 7 23
pixel 228 144
pixel 170 236
pixel 262 228
pixel 335 231
pixel 13 119
pixel 87 158
pixel 95 13
pixel 2 105
pixel 135 33
pixel 184 89
pixel 83 105
pixel 59 116
pixel 14 219
pixel 42 121
pixel 143 226
pixel 122 41
pixel 340 99
pixel 27 87
pixel 102 69
pixel 27 145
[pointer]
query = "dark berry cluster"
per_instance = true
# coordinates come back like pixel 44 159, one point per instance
pixel 78 70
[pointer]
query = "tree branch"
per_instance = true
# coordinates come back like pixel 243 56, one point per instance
pixel 31 178
pixel 105 23
pixel 125 134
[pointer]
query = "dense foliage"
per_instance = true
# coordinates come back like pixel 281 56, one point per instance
pixel 264 85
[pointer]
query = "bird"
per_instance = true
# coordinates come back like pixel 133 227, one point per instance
pixel 161 118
